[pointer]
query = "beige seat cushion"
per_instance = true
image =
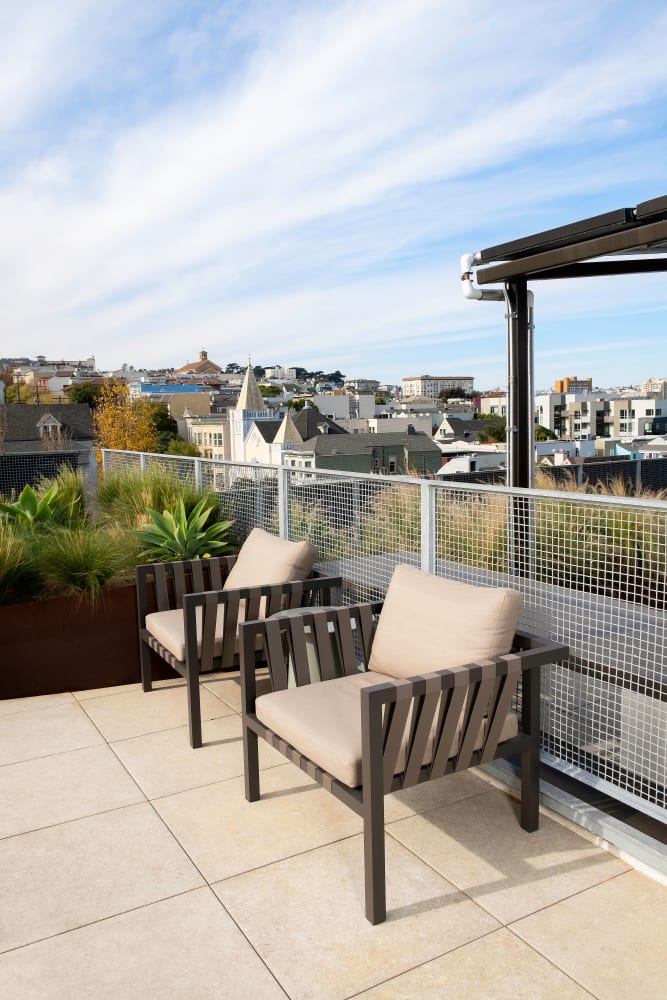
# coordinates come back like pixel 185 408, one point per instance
pixel 265 559
pixel 168 627
pixel 323 722
pixel 428 623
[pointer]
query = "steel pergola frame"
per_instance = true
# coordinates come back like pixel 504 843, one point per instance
pixel 625 241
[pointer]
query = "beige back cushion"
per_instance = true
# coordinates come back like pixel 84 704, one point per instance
pixel 267 559
pixel 428 623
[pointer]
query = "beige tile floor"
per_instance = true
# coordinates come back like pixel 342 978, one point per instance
pixel 131 865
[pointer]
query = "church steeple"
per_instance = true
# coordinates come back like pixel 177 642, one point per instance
pixel 250 397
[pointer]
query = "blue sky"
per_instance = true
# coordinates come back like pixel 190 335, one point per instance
pixel 298 180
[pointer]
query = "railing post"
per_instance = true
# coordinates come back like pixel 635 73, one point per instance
pixel 638 477
pixel 142 463
pixel 428 526
pixel 198 474
pixel 283 502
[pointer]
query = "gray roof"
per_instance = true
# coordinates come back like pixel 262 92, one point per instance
pixel 463 430
pixel 268 429
pixel 20 423
pixel 308 422
pixel 363 443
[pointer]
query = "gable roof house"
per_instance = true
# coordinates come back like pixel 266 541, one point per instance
pixel 399 453
pixel 37 439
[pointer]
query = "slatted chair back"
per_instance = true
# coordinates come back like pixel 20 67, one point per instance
pixel 169 582
pixel 338 638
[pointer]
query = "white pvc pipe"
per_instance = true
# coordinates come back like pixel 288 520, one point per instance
pixel 472 291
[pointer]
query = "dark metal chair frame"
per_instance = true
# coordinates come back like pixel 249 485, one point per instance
pixel 455 702
pixel 198 583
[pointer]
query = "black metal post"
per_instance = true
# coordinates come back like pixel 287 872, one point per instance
pixel 520 403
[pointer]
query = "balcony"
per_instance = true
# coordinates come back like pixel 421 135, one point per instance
pixel 135 867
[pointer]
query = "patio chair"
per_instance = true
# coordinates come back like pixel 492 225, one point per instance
pixel 189 611
pixel 412 690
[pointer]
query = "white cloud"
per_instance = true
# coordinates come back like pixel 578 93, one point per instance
pixel 306 192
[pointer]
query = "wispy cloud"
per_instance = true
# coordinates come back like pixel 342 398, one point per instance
pixel 299 179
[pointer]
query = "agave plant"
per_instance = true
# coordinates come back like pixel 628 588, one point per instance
pixel 178 535
pixel 32 509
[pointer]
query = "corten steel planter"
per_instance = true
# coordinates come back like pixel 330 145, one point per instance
pixel 65 644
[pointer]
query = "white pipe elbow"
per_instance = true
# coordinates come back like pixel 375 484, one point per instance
pixel 471 290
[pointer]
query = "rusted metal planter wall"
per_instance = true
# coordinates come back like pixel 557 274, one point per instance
pixel 64 644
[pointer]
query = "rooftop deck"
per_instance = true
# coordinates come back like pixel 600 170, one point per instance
pixel 132 866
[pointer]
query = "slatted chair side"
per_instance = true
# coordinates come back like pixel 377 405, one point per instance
pixel 482 681
pixel 501 703
pixel 396 718
pixel 422 730
pixel 209 612
pixel 455 688
pixel 230 604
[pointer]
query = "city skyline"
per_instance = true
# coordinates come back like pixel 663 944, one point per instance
pixel 299 180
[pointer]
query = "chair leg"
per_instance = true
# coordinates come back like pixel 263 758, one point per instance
pixel 194 708
pixel 146 671
pixel 374 860
pixel 530 789
pixel 250 764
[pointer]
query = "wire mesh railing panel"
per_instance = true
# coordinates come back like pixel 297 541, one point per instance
pixel 592 572
pixel 248 495
pixel 653 474
pixel 361 526
pixel 17 471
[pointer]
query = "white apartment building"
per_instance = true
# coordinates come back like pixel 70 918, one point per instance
pixel 345 405
pixel 581 416
pixel 655 387
pixel 432 385
pixel 494 404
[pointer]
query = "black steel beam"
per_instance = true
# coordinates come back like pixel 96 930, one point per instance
pixel 574 232
pixel 599 269
pixel 629 239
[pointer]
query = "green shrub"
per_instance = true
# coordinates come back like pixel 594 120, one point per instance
pixel 126 497
pixel 71 493
pixel 20 578
pixel 178 535
pixel 81 560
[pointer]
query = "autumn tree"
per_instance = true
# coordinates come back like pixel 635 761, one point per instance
pixel 122 423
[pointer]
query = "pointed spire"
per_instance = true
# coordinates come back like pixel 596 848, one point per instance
pixel 287 432
pixel 250 397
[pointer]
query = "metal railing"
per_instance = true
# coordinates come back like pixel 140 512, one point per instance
pixel 592 570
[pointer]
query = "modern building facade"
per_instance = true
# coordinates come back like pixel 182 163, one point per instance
pixel 433 385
